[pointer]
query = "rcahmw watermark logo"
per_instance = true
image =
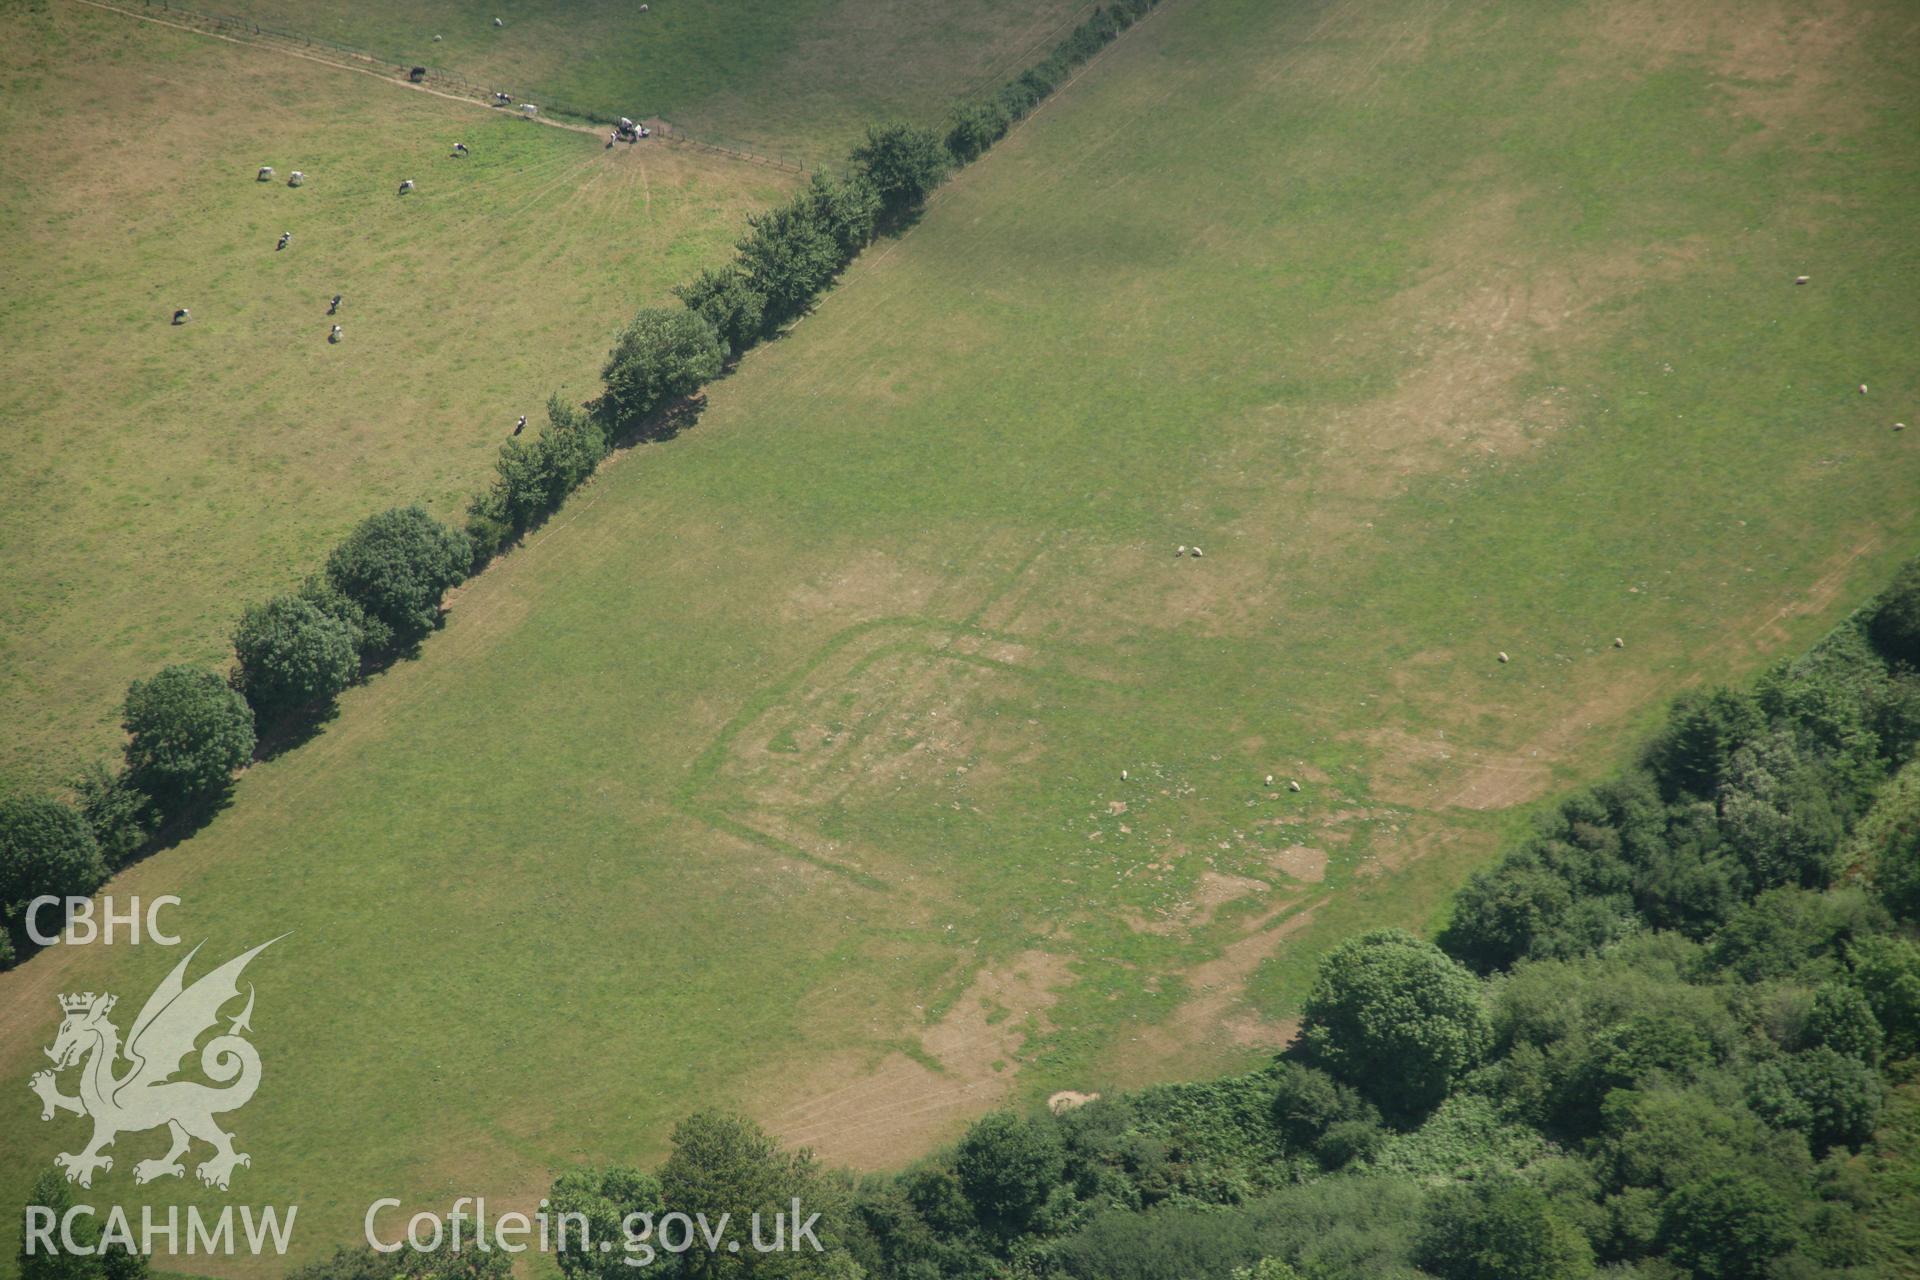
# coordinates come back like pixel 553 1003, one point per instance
pixel 146 1095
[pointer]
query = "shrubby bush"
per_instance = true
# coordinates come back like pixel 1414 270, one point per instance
pixel 290 656
pixel 46 847
pixel 728 301
pixel 1306 1100
pixel 974 128
pixel 789 256
pixel 1500 1229
pixel 848 208
pixel 1886 970
pixel 605 1198
pixel 660 356
pixel 721 1163
pixel 533 477
pixel 394 568
pixel 1831 1097
pixel 1007 1168
pixel 444 1263
pixel 1896 870
pixel 1727 1226
pixel 1841 1019
pixel 1894 622
pixel 1793 930
pixel 370 637
pixel 1396 1018
pixel 574 443
pixel 903 162
pixel 120 815
pixel 103 1261
pixel 187 732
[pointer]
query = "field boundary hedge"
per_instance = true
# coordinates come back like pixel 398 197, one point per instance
pixel 381 591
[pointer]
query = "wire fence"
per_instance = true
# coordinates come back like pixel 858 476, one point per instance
pixel 449 82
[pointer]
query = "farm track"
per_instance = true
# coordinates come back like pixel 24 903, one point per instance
pixel 365 65
pixel 342 63
pixel 369 66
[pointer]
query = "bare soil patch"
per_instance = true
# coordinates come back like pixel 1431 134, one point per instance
pixel 1302 862
pixel 872 1115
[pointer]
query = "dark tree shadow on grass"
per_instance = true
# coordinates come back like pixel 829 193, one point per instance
pixel 663 424
pixel 295 729
pixel 187 822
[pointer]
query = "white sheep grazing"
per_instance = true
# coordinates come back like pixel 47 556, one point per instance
pixel 406 186
pixel 1269 779
pixel 1197 553
pixel 266 171
pixel 1180 551
pixel 1123 775
pixel 1801 279
pixel 1863 388
pixel 295 178
pixel 1618 643
pixel 1292 785
pixel 498 23
pixel 1504 658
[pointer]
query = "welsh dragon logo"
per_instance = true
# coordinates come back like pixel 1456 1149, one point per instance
pixel 146 1095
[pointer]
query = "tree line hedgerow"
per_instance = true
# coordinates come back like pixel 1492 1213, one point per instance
pixel 189 729
pixel 790 254
pixel 380 592
pixel 1652 1043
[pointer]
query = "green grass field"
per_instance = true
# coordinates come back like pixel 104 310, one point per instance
pixel 159 478
pixel 784 768
pixel 800 78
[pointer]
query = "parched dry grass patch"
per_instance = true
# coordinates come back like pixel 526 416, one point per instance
pixel 1782 65
pixel 878 1114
